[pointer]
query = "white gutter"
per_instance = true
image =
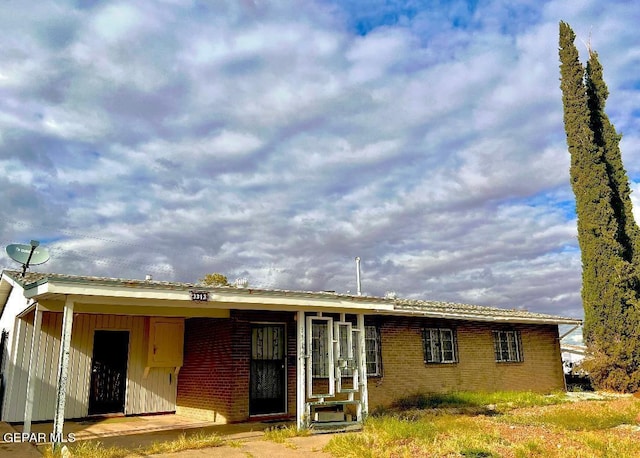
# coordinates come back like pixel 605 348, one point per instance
pixel 570 331
pixel 490 319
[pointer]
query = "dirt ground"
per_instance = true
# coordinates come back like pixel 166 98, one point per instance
pixel 308 446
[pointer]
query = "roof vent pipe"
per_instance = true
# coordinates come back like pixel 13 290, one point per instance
pixel 358 284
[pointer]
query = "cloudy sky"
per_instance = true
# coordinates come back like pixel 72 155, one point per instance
pixel 278 140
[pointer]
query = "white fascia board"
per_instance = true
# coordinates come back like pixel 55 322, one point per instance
pixel 241 297
pixel 299 301
pixel 31 306
pixel 104 291
pixel 6 286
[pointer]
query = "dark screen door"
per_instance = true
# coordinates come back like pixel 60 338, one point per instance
pixel 108 372
pixel 268 381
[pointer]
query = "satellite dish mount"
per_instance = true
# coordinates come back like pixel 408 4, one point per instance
pixel 28 254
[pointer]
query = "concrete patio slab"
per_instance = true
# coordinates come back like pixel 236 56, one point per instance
pixel 10 447
pixel 246 439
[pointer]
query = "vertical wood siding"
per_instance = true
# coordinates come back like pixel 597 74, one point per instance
pixel 154 393
pixel 16 388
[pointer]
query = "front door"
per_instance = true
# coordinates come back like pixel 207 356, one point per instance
pixel 108 372
pixel 268 368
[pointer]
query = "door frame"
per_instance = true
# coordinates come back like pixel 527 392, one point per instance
pixel 126 373
pixel 285 379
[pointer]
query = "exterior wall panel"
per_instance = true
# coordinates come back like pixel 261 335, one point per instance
pixel 16 392
pixel 405 371
pixel 207 377
pixel 154 393
pixel 214 380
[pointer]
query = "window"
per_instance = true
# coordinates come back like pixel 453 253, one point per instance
pixel 439 345
pixel 508 346
pixel 320 350
pixel 372 349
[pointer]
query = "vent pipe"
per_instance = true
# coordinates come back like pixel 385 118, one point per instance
pixel 358 284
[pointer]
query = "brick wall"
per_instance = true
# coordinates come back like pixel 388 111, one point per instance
pixel 405 371
pixel 213 383
pixel 206 380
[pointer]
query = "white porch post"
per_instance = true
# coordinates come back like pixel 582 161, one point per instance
pixel 33 364
pixel 362 369
pixel 300 372
pixel 63 369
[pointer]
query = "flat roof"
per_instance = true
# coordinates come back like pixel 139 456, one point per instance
pixel 46 285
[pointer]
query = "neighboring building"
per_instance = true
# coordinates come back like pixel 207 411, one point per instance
pixel 572 356
pixel 232 354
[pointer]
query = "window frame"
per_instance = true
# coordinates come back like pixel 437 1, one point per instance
pixel 507 342
pixel 377 350
pixel 432 346
pixel 320 362
pixel 320 359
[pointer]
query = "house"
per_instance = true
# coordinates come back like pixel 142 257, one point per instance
pixel 76 346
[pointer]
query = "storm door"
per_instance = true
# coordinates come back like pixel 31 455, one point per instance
pixel 268 368
pixel 108 372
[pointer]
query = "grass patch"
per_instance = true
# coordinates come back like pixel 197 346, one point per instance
pixel 184 442
pixel 530 448
pixel 86 449
pixel 618 446
pixel 96 449
pixel 585 416
pixel 472 402
pixel 521 425
pixel 282 433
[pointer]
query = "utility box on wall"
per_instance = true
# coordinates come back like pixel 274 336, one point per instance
pixel 166 342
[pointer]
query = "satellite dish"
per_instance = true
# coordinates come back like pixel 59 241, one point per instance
pixel 28 254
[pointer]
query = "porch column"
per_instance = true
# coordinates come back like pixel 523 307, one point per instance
pixel 363 407
pixel 63 370
pixel 300 372
pixel 33 364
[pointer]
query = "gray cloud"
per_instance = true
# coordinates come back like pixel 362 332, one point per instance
pixel 278 142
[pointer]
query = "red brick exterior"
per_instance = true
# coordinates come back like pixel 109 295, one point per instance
pixel 206 381
pixel 213 383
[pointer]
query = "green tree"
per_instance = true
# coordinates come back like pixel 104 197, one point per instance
pixel 606 137
pixel 214 279
pixel 607 233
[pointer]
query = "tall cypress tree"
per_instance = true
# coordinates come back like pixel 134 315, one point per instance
pixel 606 137
pixel 607 233
pixel 623 346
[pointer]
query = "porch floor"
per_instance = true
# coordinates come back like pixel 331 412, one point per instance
pixel 140 431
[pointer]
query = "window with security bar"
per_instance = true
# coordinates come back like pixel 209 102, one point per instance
pixel 320 351
pixel 372 351
pixel 508 346
pixel 439 345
